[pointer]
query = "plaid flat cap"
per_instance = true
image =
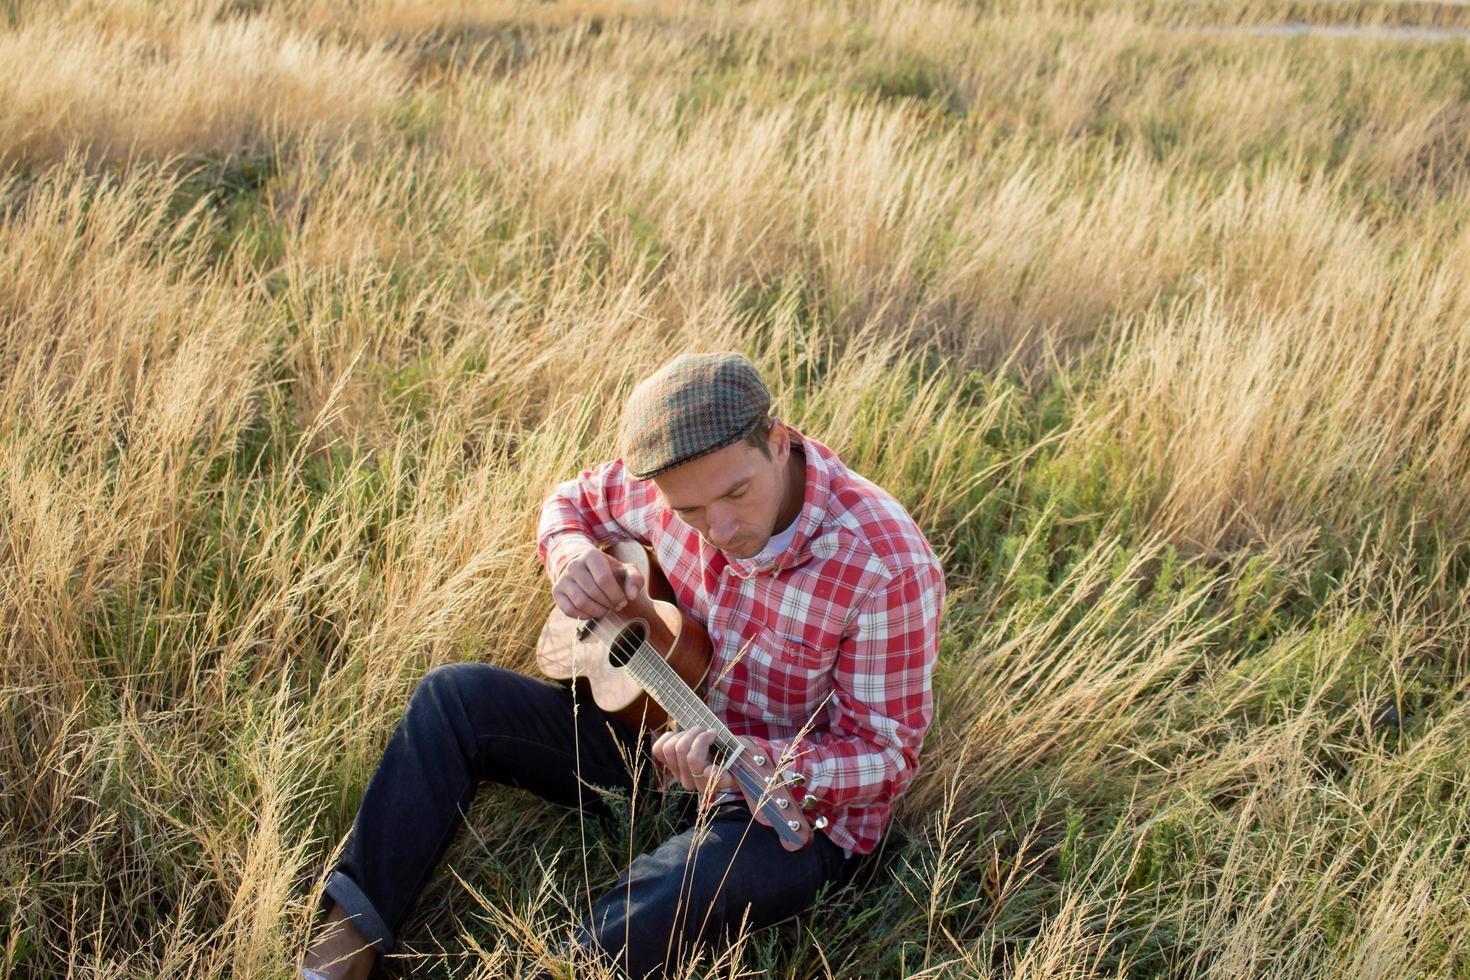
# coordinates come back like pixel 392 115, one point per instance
pixel 692 406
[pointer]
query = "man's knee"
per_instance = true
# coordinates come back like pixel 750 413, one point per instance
pixel 479 702
pixel 463 683
pixel 441 682
pixel 461 696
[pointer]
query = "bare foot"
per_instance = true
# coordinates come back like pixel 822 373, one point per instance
pixel 340 952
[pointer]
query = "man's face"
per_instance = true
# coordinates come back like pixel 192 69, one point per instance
pixel 732 496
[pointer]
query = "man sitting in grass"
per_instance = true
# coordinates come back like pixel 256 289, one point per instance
pixel 821 599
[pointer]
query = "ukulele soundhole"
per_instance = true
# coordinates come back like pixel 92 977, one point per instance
pixel 628 641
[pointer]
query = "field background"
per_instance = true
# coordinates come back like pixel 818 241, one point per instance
pixel 1161 330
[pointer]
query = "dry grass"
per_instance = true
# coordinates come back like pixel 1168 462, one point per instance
pixel 119 91
pixel 1162 335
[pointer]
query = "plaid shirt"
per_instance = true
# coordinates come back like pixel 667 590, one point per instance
pixel 823 654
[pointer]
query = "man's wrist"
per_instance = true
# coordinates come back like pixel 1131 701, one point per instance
pixel 564 552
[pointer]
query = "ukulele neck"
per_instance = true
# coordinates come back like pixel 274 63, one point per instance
pixel 665 686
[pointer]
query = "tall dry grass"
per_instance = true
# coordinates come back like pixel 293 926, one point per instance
pixel 1160 335
pixel 115 90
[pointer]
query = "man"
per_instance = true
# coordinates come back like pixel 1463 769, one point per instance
pixel 821 599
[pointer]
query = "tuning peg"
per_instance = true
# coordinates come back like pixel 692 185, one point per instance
pixel 820 823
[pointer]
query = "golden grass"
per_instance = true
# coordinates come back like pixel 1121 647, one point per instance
pixel 199 86
pixel 1161 335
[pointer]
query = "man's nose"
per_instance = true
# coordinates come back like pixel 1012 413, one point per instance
pixel 724 532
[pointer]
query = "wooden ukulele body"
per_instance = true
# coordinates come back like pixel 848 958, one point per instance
pixel 567 651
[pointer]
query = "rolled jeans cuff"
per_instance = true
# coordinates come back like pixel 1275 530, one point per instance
pixel 364 917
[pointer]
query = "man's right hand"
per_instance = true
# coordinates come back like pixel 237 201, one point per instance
pixel 594 584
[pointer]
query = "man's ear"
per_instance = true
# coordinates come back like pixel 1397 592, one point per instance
pixel 779 440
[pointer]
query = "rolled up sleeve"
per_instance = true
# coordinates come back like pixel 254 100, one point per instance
pixel 600 506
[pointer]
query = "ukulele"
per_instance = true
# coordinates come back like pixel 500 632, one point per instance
pixel 642 664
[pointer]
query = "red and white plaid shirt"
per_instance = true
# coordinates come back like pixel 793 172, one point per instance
pixel 823 654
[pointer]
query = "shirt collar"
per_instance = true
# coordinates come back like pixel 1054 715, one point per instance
pixel 808 521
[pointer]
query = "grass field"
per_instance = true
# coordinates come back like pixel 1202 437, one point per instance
pixel 1161 332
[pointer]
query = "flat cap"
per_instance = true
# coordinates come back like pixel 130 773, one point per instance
pixel 690 407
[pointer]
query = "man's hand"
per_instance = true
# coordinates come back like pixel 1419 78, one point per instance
pixel 685 753
pixel 594 584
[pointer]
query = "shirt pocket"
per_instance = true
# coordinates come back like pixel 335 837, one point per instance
pixel 798 679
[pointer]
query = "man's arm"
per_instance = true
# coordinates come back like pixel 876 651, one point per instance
pixel 600 506
pixel 881 699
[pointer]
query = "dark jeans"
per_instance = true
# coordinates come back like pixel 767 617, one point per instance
pixel 471 722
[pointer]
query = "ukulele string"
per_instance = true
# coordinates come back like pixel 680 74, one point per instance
pixel 675 696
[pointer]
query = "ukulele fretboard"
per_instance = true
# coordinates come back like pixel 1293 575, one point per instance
pixel 655 676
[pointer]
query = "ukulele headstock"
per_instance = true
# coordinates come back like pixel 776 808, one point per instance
pixel 767 795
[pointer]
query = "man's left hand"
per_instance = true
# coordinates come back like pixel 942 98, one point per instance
pixel 685 753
